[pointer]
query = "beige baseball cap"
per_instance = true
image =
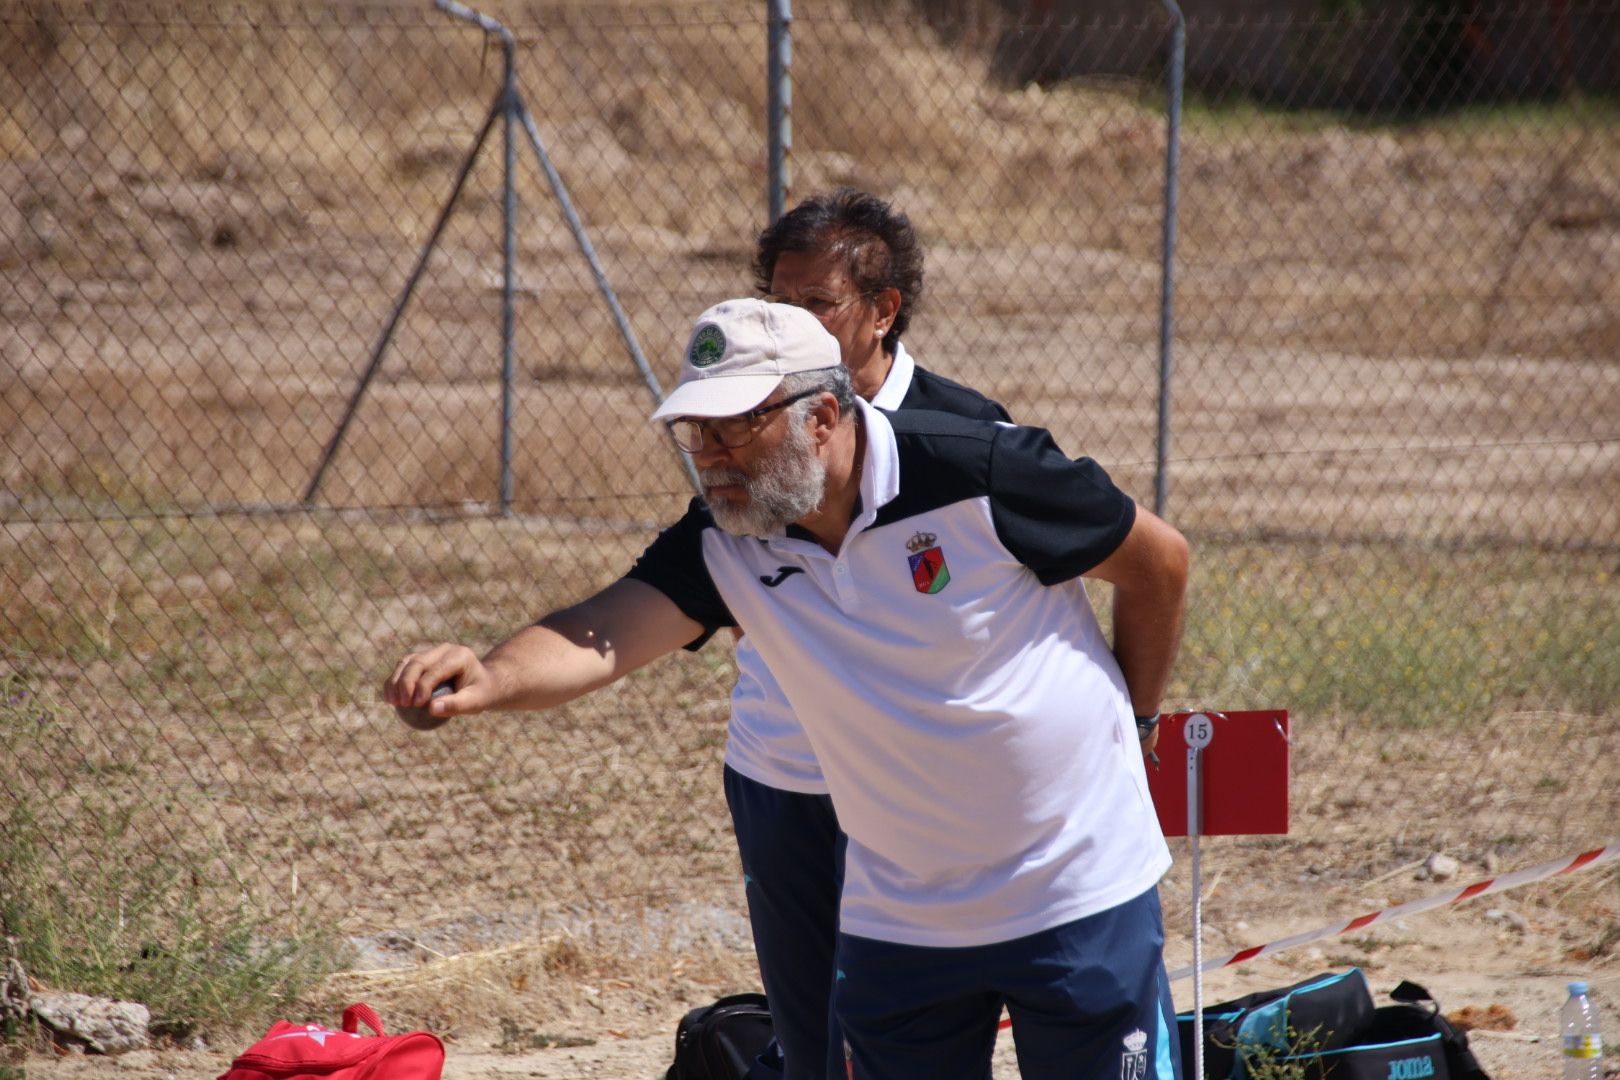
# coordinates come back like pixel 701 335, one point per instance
pixel 738 353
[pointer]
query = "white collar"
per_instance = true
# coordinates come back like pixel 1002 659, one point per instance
pixel 880 469
pixel 897 382
pixel 880 475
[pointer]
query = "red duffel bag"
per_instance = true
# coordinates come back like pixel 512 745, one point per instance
pixel 310 1052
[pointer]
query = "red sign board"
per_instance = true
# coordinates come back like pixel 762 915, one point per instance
pixel 1243 771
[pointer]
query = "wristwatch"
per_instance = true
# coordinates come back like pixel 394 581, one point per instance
pixel 1146 725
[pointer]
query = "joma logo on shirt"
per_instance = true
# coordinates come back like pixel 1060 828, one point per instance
pixel 1411 1068
pixel 782 574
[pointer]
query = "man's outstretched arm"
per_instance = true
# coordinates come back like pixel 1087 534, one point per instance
pixel 563 656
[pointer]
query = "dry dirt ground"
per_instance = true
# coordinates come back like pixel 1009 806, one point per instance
pixel 1464 957
pixel 578 995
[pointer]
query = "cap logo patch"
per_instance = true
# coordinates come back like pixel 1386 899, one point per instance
pixel 708 346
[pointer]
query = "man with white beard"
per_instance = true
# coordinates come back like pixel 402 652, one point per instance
pixel 913 582
pixel 855 262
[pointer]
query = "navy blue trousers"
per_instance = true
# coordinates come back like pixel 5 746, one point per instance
pixel 1087 999
pixel 793 869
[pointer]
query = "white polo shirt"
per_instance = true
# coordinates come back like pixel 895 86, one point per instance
pixel 968 715
pixel 764 740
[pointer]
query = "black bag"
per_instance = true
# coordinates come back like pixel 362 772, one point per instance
pixel 1406 1041
pixel 1417 1006
pixel 1326 1010
pixel 1399 1044
pixel 1333 1036
pixel 721 1041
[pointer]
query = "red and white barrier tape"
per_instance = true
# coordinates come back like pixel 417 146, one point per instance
pixel 1584 861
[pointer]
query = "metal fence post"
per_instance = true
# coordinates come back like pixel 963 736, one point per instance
pixel 1172 169
pixel 778 104
pixel 510 105
pixel 509 110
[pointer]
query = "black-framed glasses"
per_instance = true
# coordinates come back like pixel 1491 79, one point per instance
pixel 728 431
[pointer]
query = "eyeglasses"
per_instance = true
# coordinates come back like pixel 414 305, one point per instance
pixel 822 307
pixel 728 431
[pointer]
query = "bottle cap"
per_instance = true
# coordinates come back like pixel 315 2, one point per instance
pixel 1577 987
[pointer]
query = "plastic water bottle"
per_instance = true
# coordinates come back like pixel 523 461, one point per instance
pixel 1583 1044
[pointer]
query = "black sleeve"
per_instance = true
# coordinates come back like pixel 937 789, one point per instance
pixel 939 394
pixel 674 565
pixel 1059 517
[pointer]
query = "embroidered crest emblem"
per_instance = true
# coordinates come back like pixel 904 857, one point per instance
pixel 708 346
pixel 929 574
pixel 1133 1062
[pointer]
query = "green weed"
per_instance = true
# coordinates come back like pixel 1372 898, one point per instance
pixel 1297 1058
pixel 121 907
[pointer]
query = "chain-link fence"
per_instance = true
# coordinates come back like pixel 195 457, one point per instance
pixel 1395 413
